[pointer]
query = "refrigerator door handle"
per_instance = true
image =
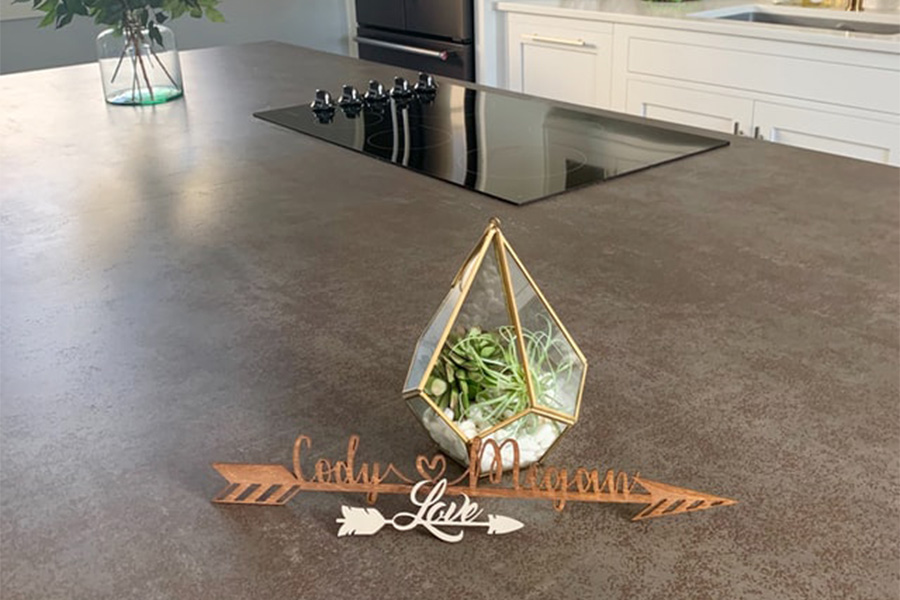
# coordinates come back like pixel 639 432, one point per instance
pixel 438 54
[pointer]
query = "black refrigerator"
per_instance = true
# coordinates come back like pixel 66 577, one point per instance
pixel 435 36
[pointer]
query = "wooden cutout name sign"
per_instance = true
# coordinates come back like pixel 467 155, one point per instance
pixel 274 485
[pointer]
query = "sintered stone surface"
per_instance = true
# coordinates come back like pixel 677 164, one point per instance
pixel 185 284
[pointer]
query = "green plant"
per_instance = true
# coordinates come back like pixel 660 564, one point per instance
pixel 479 374
pixel 124 15
pixel 135 20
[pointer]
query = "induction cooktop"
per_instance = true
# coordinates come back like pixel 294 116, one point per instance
pixel 512 147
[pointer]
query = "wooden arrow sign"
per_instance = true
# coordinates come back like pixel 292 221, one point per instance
pixel 274 485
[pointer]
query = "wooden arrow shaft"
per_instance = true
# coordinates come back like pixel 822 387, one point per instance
pixel 249 483
pixel 246 475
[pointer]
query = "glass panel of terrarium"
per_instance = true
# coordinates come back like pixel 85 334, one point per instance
pixel 478 375
pixel 443 435
pixel 532 432
pixel 556 369
pixel 427 344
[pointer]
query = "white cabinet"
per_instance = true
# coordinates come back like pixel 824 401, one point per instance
pixel 837 100
pixel 823 97
pixel 707 110
pixel 817 129
pixel 560 59
pixel 839 76
pixel 865 135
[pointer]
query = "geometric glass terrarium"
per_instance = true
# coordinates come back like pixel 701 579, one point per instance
pixel 495 362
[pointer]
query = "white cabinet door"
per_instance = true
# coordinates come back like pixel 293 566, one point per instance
pixel 845 78
pixel 557 59
pixel 874 139
pixel 707 110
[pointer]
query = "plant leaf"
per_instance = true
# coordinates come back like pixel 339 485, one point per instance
pixel 48 18
pixel 214 15
pixel 155 34
pixel 77 7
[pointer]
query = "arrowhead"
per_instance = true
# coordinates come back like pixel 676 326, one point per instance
pixel 360 521
pixel 498 525
pixel 664 500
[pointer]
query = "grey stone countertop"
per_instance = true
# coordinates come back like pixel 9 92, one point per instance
pixel 186 284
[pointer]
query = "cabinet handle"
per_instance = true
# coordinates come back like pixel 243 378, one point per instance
pixel 737 128
pixel 553 40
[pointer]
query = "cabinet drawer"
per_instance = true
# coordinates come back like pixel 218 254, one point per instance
pixel 836 83
pixel 556 59
pixel 867 139
pixel 707 110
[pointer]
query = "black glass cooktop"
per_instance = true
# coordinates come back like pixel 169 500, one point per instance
pixel 515 148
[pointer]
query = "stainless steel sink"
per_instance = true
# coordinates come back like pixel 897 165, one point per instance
pixel 823 19
pixel 815 22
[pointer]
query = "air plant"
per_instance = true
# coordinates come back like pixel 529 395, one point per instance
pixel 479 374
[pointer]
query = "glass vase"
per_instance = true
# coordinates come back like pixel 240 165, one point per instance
pixel 138 69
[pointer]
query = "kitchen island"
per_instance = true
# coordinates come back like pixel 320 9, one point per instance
pixel 186 284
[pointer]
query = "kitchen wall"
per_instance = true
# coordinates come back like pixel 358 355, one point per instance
pixel 320 24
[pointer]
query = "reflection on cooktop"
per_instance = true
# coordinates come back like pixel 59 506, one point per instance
pixel 523 162
pixel 514 148
pixel 425 138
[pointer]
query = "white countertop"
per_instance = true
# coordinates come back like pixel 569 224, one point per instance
pixel 681 15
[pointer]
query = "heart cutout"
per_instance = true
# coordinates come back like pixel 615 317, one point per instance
pixel 433 469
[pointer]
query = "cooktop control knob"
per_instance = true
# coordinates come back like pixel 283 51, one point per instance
pixel 323 102
pixel 349 97
pixel 324 117
pixel 375 92
pixel 426 84
pixel 401 88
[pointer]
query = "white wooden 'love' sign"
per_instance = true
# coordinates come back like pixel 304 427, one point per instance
pixel 434 515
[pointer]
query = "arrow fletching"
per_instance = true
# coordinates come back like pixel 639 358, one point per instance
pixel 360 521
pixel 498 525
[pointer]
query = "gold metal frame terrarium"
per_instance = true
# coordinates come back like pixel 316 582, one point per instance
pixel 495 362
